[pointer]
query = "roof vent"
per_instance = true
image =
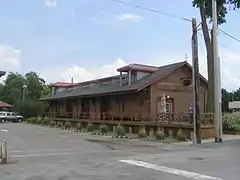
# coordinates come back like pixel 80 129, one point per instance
pixel 187 82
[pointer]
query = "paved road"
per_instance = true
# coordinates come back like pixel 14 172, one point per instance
pixel 38 153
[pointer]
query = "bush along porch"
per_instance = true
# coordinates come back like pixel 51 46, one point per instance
pixel 165 132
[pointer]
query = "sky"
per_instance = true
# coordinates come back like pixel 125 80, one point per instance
pixel 61 39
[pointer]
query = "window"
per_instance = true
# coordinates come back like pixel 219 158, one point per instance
pixel 169 107
pixel 133 76
pixel 141 75
pixel 169 104
pixel 8 114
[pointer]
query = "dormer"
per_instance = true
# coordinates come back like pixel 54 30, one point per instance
pixel 60 86
pixel 135 72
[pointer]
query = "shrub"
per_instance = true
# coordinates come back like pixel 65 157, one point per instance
pixel 79 126
pixel 160 135
pixel 31 108
pixel 90 127
pixel 59 124
pixel 120 131
pixel 39 121
pixel 32 120
pixel 103 128
pixel 151 133
pixel 45 122
pixel 67 125
pixel 52 123
pixel 231 122
pixel 181 136
pixel 28 120
pixel 142 134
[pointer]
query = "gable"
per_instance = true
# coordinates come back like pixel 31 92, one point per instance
pixel 179 75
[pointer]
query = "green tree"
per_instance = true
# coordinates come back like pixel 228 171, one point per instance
pixel 226 98
pixel 236 95
pixel 35 85
pixel 12 92
pixel 32 108
pixel 12 89
pixel 205 8
pixel 46 90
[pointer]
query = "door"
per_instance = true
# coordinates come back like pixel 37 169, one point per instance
pixel 105 104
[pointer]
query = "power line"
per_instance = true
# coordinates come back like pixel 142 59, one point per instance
pixel 238 11
pixel 229 35
pixel 168 14
pixel 152 10
pixel 223 45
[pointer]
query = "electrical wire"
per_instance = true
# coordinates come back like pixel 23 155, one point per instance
pixel 238 11
pixel 170 15
pixel 229 35
pixel 223 45
pixel 152 10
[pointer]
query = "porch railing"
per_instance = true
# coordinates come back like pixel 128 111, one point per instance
pixel 161 118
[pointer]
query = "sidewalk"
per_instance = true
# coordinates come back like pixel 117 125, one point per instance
pixel 225 138
pixel 147 143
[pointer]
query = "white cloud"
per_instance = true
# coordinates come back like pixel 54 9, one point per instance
pixel 81 74
pixel 9 58
pixel 129 17
pixel 50 3
pixel 230 63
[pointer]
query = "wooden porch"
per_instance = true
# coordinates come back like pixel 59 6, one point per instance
pixel 161 118
pixel 166 121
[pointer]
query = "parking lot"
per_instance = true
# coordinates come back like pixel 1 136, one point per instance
pixel 37 153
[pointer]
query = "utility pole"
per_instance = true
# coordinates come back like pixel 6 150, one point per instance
pixel 196 85
pixel 217 83
pixel 24 92
pixel 220 100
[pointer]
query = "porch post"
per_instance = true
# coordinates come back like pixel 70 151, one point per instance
pixel 129 77
pixel 121 83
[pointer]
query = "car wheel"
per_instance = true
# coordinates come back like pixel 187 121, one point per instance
pixel 19 120
pixel 2 121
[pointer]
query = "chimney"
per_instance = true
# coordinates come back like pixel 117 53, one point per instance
pixel 72 80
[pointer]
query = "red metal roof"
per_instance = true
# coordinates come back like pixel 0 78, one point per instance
pixel 4 104
pixel 139 67
pixel 62 84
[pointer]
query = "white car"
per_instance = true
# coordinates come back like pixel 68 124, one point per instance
pixel 10 116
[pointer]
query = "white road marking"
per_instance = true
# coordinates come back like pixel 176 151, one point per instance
pixel 186 174
pixel 41 155
pixel 4 130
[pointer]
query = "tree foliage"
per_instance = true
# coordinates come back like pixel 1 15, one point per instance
pixel 229 96
pixel 205 9
pixel 223 7
pixel 12 91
